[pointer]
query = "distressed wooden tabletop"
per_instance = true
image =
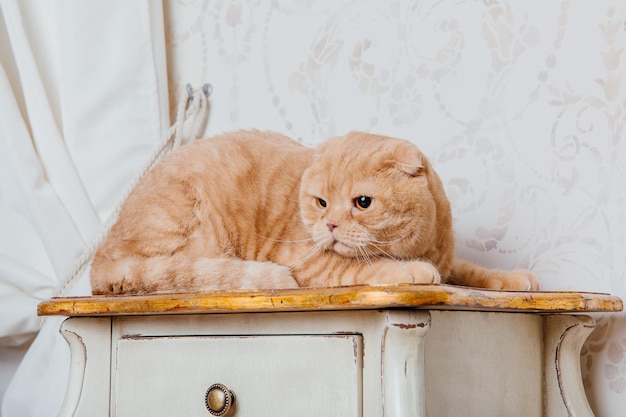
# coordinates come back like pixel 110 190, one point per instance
pixel 441 297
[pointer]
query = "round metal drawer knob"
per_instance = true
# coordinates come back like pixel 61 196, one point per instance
pixel 219 400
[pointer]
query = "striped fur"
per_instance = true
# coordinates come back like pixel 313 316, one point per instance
pixel 244 211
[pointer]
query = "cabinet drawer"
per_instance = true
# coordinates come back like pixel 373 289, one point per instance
pixel 318 375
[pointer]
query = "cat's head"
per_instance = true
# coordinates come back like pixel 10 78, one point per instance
pixel 366 195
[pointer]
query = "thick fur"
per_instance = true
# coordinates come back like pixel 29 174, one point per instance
pixel 256 210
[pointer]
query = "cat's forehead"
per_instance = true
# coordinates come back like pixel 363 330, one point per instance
pixel 357 164
pixel 356 147
pixel 362 152
pixel 350 185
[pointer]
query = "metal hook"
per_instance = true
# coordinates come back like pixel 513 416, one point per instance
pixel 208 89
pixel 189 92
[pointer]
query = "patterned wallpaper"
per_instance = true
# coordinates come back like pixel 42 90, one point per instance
pixel 520 105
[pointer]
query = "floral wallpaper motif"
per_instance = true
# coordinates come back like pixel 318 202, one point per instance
pixel 521 106
pixel 614 370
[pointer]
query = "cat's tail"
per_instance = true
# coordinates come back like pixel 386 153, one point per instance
pixel 470 275
pixel 181 273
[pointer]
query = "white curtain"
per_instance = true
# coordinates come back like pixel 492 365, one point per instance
pixel 83 103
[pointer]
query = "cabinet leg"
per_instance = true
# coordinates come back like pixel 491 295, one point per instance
pixel 564 336
pixel 89 382
pixel 403 363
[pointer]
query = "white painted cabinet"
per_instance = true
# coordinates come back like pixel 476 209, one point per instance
pixel 352 360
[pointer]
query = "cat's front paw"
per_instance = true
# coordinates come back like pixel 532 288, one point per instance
pixel 516 280
pixel 275 276
pixel 422 272
pixel 411 272
pixel 388 271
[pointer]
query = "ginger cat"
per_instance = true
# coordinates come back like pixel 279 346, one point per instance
pixel 256 210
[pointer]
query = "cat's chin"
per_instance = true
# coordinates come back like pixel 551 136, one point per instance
pixel 344 250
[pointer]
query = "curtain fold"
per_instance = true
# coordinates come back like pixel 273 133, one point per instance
pixel 83 103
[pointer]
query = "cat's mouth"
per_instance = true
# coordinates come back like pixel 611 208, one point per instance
pixel 338 244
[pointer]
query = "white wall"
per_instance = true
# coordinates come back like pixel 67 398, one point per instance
pixel 520 105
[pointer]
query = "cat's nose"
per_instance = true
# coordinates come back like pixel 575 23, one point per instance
pixel 331 226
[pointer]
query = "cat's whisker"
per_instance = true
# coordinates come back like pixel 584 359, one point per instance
pixel 285 240
pixel 387 254
pixel 359 255
pixel 363 251
pixel 310 253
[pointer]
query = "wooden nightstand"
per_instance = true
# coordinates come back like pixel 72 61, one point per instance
pixel 394 351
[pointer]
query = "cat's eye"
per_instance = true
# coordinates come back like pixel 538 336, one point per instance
pixel 362 202
pixel 320 203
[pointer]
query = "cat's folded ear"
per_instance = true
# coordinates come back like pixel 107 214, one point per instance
pixel 407 158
